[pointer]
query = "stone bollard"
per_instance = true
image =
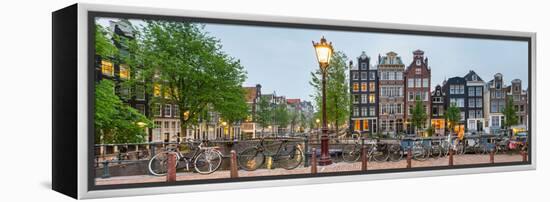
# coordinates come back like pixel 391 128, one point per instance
pixel 364 158
pixel 524 156
pixel 171 175
pixel 451 151
pixel 313 161
pixel 492 157
pixel 234 173
pixel 409 158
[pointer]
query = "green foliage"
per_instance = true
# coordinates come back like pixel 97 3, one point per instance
pixel 263 112
pixel 281 116
pixel 104 47
pixel 509 112
pixel 190 71
pixel 452 115
pixel 337 90
pixel 418 115
pixel 114 121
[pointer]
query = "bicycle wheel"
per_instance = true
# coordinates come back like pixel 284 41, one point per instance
pixel 419 153
pixel 158 165
pixel 251 159
pixel 395 152
pixel 351 153
pixel 436 152
pixel 208 161
pixel 290 159
pixel 460 149
pixel 380 155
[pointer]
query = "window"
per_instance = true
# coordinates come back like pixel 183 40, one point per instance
pixel 354 75
pixel 166 124
pixel 176 111
pixel 494 106
pixel 418 62
pixel 479 102
pixel 425 83
pixel 462 116
pixel 372 75
pixel 364 98
pixel 498 94
pixel 355 111
pixel 418 71
pixel 471 114
pixel 479 91
pixel 410 83
pixel 398 75
pixel 355 99
pixel 156 90
pixel 357 125
pixel 167 110
pixel 124 71
pixel 458 102
pixel 157 111
pixel 384 108
pixel 495 120
pixel 363 66
pixel 471 91
pixel 364 86
pixel 124 92
pixel 363 75
pixel 141 108
pixel 140 92
pixel 391 75
pixel 372 111
pixel 372 98
pixel 107 68
pixel 355 87
pixel 479 114
pixel 372 86
pixel 471 102
pixel 418 83
pixel 521 108
pixel 364 111
pixel 365 124
pixel 411 96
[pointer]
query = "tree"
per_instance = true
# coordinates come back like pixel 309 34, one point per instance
pixel 104 47
pixel 263 113
pixel 337 93
pixel 114 121
pixel 186 67
pixel 281 116
pixel 509 112
pixel 452 116
pixel 418 115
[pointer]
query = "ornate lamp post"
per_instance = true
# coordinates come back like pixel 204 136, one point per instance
pixel 324 51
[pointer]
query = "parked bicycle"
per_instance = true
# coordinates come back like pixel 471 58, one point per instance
pixel 287 155
pixel 203 159
pixel 375 150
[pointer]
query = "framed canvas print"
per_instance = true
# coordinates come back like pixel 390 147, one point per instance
pixel 149 101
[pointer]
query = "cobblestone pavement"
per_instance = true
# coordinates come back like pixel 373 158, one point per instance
pixel 335 167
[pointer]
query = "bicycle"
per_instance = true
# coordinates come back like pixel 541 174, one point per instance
pixel 378 152
pixel 286 156
pixel 204 160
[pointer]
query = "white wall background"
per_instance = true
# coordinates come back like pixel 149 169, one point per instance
pixel 25 98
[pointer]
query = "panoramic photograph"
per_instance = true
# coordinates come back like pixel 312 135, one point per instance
pixel 192 101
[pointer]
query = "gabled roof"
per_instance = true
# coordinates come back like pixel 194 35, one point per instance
pixel 385 59
pixel 473 77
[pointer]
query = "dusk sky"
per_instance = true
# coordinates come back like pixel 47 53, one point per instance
pixel 281 59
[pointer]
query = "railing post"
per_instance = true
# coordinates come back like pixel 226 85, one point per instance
pixel 409 158
pixel 306 149
pixel 313 161
pixel 524 156
pixel 233 164
pixel 451 151
pixel 105 169
pixel 153 148
pixel 492 156
pixel 171 176
pixel 363 158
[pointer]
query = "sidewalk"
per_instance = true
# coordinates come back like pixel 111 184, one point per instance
pixel 336 167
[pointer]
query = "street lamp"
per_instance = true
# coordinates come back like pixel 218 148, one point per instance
pixel 324 51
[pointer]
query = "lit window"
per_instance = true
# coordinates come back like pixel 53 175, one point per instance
pixel 365 125
pixel 107 68
pixel 156 90
pixel 355 87
pixel 372 87
pixel 371 98
pixel 124 72
pixel 357 125
pixel 364 87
